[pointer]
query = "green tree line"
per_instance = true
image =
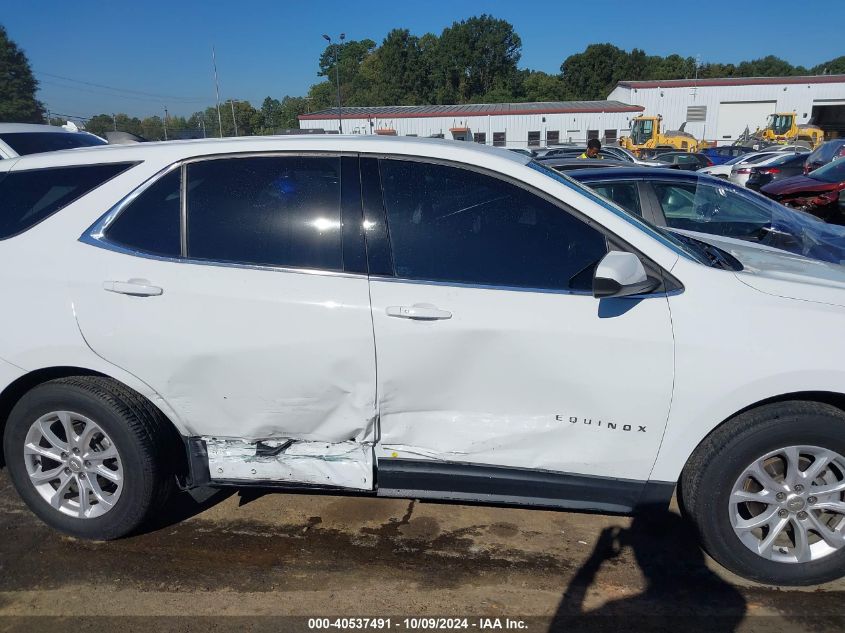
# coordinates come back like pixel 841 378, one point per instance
pixel 472 61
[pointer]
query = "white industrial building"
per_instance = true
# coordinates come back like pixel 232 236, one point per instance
pixel 717 110
pixel 500 124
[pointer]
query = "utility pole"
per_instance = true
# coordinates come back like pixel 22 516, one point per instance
pixel 234 121
pixel 337 79
pixel 165 123
pixel 217 92
pixel 114 121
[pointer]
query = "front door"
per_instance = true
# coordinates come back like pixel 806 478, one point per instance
pixel 248 321
pixel 491 349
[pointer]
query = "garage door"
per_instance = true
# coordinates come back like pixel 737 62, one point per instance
pixel 735 116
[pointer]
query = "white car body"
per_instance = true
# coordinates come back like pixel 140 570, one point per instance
pixel 617 392
pixel 724 170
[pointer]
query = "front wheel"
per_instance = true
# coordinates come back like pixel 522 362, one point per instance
pixel 767 493
pixel 89 456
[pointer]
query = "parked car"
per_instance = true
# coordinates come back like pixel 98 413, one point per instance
pixel 19 139
pixel 724 153
pixel 572 163
pixel 208 313
pixel 824 154
pixel 695 202
pixel 820 192
pixel 775 169
pixel 685 160
pixel 742 171
pixel 524 152
pixel 650 152
pixel 724 170
pixel 575 152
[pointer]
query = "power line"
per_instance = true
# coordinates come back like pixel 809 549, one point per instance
pixel 70 116
pixel 126 90
pixel 102 93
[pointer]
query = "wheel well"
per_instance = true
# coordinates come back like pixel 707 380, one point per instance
pixel 10 396
pixel 824 397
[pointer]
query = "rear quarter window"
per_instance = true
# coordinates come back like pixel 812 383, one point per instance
pixel 31 196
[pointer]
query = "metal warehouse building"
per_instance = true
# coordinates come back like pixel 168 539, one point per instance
pixel 717 110
pixel 720 109
pixel 500 124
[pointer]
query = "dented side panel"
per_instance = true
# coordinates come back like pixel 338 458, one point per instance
pixel 342 464
pixel 557 382
pixel 237 352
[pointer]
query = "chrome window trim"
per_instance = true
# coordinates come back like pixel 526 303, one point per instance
pixel 459 284
pixel 543 291
pixel 95 234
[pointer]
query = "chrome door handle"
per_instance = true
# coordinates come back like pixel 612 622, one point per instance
pixel 418 311
pixel 133 287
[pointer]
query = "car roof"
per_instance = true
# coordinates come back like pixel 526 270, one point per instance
pixel 638 173
pixel 10 128
pixel 557 162
pixel 167 152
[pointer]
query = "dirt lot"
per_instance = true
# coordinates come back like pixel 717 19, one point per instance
pixel 254 556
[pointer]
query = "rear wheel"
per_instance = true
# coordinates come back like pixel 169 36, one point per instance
pixel 767 493
pixel 89 456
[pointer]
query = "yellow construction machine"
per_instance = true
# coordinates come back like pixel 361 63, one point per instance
pixel 646 134
pixel 782 127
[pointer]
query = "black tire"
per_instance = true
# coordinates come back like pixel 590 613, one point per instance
pixel 143 438
pixel 718 462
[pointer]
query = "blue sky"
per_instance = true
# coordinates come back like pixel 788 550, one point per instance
pixel 163 49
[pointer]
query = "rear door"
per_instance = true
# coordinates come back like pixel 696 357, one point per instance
pixel 491 348
pixel 234 288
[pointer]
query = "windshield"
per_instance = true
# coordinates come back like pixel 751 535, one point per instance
pixel 666 238
pixel 24 143
pixel 825 152
pixel 641 131
pixel 779 123
pixel 832 172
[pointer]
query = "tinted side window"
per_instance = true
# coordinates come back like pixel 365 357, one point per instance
pixel 150 223
pixel 624 194
pixel 28 197
pixel 451 224
pixel 277 211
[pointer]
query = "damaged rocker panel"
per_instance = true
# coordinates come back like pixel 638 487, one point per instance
pixel 335 464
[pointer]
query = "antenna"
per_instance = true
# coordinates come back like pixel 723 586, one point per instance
pixel 217 92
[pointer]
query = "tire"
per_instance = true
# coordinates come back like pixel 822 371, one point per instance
pixel 723 460
pixel 130 442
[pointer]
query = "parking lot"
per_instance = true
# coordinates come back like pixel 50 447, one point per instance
pixel 253 555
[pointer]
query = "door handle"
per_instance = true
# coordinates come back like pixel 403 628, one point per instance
pixel 418 311
pixel 133 287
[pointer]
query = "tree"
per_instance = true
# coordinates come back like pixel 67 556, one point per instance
pixel 475 56
pixel 833 67
pixel 17 85
pixel 540 86
pixel 594 73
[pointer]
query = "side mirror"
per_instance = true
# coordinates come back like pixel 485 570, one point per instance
pixel 621 275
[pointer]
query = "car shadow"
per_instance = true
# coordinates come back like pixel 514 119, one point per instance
pixel 183 505
pixel 682 594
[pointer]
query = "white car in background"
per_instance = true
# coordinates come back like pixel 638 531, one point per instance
pixel 409 318
pixel 724 170
pixel 20 139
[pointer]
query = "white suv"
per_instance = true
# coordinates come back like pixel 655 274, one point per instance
pixel 409 318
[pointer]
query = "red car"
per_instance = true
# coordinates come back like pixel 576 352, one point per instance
pixel 821 192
